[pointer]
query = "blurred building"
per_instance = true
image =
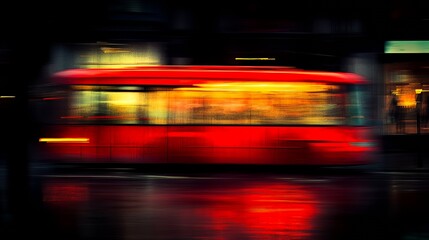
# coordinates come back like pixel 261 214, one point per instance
pixel 324 35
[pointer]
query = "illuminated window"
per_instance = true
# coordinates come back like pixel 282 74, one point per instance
pixel 219 104
pixel 258 104
pixel 98 104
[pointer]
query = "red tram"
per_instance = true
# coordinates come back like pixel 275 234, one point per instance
pixel 205 115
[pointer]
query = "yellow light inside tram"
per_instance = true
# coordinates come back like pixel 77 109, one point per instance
pixel 262 87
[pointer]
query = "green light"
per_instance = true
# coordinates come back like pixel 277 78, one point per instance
pixel 406 47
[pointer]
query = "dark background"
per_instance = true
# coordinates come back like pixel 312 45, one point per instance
pixel 307 34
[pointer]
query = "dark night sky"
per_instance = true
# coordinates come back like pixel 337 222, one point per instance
pixel 29 28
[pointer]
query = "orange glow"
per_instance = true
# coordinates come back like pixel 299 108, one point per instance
pixel 114 50
pixel 406 96
pixel 264 87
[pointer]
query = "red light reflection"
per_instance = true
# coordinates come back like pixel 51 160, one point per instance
pixel 284 211
pixel 277 210
pixel 244 210
pixel 65 193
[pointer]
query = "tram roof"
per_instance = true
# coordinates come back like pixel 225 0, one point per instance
pixel 197 74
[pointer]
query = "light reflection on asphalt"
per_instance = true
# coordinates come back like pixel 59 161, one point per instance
pixel 217 205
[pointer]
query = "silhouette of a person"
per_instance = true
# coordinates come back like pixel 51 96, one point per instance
pixel 393 108
pixel 398 113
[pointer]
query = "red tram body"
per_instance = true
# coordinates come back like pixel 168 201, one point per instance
pixel 205 115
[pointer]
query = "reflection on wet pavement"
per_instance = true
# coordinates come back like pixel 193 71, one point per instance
pixel 129 205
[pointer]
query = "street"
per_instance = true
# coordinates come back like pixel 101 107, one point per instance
pixel 194 203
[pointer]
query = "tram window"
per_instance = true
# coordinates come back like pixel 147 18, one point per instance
pixel 280 104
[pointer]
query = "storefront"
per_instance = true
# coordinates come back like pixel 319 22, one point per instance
pixel 406 82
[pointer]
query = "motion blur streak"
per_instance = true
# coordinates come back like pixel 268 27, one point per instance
pixel 206 115
pixel 64 140
pixel 201 210
pixel 284 211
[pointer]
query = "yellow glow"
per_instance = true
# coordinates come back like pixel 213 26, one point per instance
pixel 418 91
pixel 257 103
pixel 83 87
pixel 262 87
pixel 7 96
pixel 123 98
pixel 64 140
pixel 255 58
pixel 121 56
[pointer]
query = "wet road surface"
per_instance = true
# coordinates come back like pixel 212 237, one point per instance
pixel 123 204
